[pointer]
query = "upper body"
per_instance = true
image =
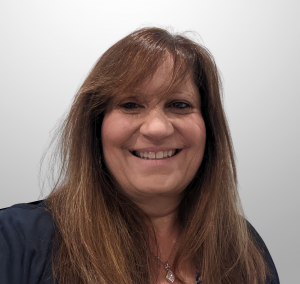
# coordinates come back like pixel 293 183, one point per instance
pixel 146 190
pixel 26 243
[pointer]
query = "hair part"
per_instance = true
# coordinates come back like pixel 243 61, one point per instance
pixel 102 236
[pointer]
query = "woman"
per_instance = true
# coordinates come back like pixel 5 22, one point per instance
pixel 147 191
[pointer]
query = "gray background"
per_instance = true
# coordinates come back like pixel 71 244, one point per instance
pixel 48 47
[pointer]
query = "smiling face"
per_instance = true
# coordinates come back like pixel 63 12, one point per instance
pixel 153 145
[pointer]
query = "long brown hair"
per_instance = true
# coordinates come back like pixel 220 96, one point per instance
pixel 101 236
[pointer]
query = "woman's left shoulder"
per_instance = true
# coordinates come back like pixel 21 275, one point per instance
pixel 273 277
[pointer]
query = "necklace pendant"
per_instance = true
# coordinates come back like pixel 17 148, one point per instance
pixel 170 275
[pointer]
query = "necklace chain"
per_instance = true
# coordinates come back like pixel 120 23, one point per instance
pixel 170 275
pixel 167 261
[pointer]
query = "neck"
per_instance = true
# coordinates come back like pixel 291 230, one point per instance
pixel 162 211
pixel 165 225
pixel 159 207
pixel 166 235
pixel 164 221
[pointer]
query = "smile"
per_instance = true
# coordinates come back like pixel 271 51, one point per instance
pixel 156 155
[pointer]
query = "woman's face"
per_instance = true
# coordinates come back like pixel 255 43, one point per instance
pixel 154 145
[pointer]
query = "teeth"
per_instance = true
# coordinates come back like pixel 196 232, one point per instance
pixel 157 155
pixel 151 155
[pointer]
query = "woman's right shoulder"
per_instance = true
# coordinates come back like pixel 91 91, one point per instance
pixel 26 238
pixel 24 217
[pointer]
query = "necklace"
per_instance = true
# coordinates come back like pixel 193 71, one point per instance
pixel 170 275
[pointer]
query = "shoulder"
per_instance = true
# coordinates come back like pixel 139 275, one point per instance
pixel 34 210
pixel 26 233
pixel 25 220
pixel 273 275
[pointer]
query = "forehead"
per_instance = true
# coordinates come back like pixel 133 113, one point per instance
pixel 160 81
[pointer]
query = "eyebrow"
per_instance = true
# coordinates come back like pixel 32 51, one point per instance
pixel 193 96
pixel 183 92
pixel 131 95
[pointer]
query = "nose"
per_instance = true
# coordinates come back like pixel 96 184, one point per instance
pixel 156 125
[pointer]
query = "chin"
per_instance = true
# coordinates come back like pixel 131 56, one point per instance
pixel 159 188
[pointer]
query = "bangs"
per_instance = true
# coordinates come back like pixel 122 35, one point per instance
pixel 136 58
pixel 140 72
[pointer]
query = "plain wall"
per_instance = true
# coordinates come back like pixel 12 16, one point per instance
pixel 48 47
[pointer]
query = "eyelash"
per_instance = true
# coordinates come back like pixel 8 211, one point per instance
pixel 127 105
pixel 186 105
pixel 177 105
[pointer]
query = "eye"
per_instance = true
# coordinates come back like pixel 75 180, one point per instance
pixel 129 105
pixel 180 105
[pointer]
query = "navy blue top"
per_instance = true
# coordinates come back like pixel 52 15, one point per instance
pixel 26 235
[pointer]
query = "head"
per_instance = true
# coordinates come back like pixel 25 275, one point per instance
pixel 150 69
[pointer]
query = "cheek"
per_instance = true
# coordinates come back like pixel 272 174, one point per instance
pixel 109 138
pixel 197 139
pixel 113 130
pixel 115 134
pixel 194 131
